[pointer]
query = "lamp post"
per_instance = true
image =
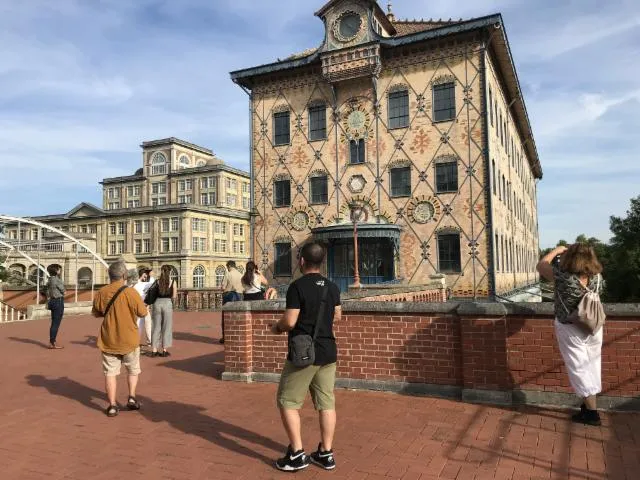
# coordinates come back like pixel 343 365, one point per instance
pixel 356 215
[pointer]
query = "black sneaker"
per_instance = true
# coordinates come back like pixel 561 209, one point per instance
pixel 292 461
pixel 587 417
pixel 323 459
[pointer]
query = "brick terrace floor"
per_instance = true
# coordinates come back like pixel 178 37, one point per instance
pixel 194 426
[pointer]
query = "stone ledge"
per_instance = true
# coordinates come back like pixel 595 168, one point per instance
pixel 450 308
pixel 488 397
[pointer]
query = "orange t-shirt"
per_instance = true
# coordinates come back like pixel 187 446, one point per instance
pixel 119 332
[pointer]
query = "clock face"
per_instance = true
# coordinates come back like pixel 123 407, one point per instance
pixel 350 24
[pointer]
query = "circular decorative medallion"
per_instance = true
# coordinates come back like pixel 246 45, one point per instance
pixel 300 221
pixel 423 212
pixel 347 26
pixel 357 183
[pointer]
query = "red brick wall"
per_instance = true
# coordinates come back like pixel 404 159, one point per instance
pixel 485 353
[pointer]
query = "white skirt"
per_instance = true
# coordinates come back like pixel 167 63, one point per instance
pixel 582 354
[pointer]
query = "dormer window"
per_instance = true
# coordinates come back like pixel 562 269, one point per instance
pixel 158 164
pixel 184 162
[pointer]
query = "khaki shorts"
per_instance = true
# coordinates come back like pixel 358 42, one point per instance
pixel 111 363
pixel 295 382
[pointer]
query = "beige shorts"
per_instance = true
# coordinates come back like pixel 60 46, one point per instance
pixel 296 382
pixel 111 363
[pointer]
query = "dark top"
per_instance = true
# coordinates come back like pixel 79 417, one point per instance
pixel 169 293
pixel 55 288
pixel 569 290
pixel 306 294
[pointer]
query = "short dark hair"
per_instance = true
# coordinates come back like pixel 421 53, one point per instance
pixel 53 269
pixel 142 271
pixel 231 264
pixel 313 254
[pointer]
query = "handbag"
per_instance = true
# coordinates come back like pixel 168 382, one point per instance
pixel 152 294
pixel 589 315
pixel 302 350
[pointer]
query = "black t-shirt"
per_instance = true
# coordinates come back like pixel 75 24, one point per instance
pixel 305 294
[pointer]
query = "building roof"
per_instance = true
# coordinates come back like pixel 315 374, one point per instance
pixel 379 13
pixel 428 31
pixel 126 179
pixel 221 167
pixel 408 27
pixel 176 141
pixel 90 209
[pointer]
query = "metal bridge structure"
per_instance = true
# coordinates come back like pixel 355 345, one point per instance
pixel 33 249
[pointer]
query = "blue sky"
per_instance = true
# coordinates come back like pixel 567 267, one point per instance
pixel 84 82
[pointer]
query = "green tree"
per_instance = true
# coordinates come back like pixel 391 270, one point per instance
pixel 622 262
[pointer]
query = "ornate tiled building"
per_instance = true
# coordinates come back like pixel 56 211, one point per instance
pixel 419 127
pixel 184 208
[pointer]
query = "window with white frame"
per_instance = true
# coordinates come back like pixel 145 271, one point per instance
pixel 112 248
pixel 158 188
pixel 165 245
pixel 146 245
pixel 158 164
pixel 220 246
pixel 146 226
pixel 137 246
pixel 174 244
pixel 245 202
pixel 112 228
pixel 133 203
pixel 184 162
pixel 137 226
pixel 120 247
pixel 208 198
pixel 199 275
pixel 114 206
pixel 175 224
pixel 185 199
pixel 162 201
pixel 220 273
pixel 165 225
pixel 220 228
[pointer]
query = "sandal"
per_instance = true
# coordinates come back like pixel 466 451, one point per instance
pixel 166 354
pixel 133 404
pixel 112 411
pixel 53 346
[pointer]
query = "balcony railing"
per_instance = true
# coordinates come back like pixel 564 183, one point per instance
pixel 194 300
pixel 9 314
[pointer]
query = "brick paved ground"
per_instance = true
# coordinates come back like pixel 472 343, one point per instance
pixel 194 426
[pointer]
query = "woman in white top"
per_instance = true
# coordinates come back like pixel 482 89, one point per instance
pixel 254 283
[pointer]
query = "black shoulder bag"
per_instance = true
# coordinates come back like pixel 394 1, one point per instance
pixel 113 299
pixel 302 350
pixel 152 294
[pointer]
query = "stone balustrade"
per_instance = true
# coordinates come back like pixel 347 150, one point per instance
pixel 194 300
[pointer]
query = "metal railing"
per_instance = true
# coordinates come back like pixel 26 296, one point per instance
pixel 9 314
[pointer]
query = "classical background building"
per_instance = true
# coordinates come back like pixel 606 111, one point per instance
pixel 184 208
pixel 418 126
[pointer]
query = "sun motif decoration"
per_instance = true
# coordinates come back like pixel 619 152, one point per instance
pixel 424 209
pixel 301 219
pixel 356 123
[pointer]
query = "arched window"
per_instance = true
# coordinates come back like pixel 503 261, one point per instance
pixel 199 275
pixel 34 273
pixel 85 276
pixel 184 162
pixel 220 271
pixel 158 164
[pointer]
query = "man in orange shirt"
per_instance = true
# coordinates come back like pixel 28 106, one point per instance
pixel 119 343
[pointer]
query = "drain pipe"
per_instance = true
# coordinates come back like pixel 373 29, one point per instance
pixel 251 182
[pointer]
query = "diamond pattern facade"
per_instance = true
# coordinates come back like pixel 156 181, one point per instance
pixel 358 115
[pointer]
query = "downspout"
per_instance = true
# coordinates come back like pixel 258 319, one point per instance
pixel 489 176
pixel 337 149
pixel 251 182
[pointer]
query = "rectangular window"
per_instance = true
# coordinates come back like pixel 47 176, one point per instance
pixel 449 253
pixel 114 206
pixel 318 122
pixel 174 244
pixel 245 203
pixel 185 199
pixel 195 244
pixel 281 126
pixel 137 246
pixel 112 229
pixel 319 190
pixel 181 186
pixel 130 191
pixel 188 184
pixel 120 246
pixel 401 182
pixel 446 177
pixel 165 245
pixel 208 198
pixel 175 224
pixel 136 191
pixel 399 109
pixel 146 243
pixel 133 203
pixel 444 102
pixel 112 248
pixel 137 226
pixel 154 202
pixel 203 244
pixel 245 187
pixel 162 201
pixel 282 193
pixel 491 106
pixel 204 183
pixel 282 265
pixel 356 151
pixel 165 225
pixel 231 200
pixel 235 229
pixel 146 226
pixel 221 228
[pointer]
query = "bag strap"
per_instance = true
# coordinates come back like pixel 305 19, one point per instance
pixel 113 299
pixel 323 304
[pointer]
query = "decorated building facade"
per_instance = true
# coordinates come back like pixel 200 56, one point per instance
pixel 417 127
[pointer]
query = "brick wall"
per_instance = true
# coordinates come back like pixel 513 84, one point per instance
pixel 472 347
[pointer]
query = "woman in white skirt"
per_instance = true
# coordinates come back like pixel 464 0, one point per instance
pixel 573 270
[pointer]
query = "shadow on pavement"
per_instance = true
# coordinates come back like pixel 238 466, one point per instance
pixel 186 418
pixel 29 341
pixel 210 365
pixel 89 341
pixel 192 337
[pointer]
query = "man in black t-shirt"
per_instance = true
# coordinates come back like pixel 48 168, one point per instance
pixel 304 298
